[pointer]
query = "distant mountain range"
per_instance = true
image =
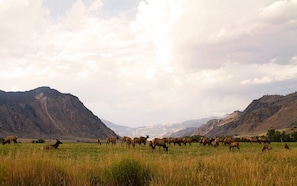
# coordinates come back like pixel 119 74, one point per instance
pixel 269 112
pixel 46 113
pixel 174 129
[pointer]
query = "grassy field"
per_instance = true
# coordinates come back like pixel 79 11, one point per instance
pixel 93 164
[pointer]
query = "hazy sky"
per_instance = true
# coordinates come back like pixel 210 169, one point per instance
pixel 137 63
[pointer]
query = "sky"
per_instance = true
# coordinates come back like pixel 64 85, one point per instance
pixel 147 62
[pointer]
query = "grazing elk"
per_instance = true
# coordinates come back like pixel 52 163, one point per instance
pixel 286 146
pixel 233 145
pixel 187 140
pixel 50 147
pixel 129 141
pixel 158 142
pixel 205 141
pixel 9 139
pixel 112 140
pixel 98 141
pixel 266 147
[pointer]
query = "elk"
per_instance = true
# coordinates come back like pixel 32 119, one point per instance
pixel 158 142
pixel 50 147
pixel 111 140
pixel 216 142
pixel 234 145
pixel 129 141
pixel 143 139
pixel 286 146
pixel 9 139
pixel 98 141
pixel 205 141
pixel 264 139
pixel 229 140
pixel 187 140
pixel 266 147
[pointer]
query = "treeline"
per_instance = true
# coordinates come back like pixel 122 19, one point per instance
pixel 277 136
pixel 273 135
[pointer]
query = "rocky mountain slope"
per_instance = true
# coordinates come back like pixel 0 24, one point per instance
pixel 47 113
pixel 269 112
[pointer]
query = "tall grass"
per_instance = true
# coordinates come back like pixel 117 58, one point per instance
pixel 93 164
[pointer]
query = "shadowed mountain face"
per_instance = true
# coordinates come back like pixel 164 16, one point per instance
pixel 268 112
pixel 47 113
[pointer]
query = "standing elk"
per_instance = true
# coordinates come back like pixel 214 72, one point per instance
pixel 50 147
pixel 158 142
pixel 98 141
pixel 187 140
pixel 229 140
pixel 129 141
pixel 216 142
pixel 205 141
pixel 233 145
pixel 9 139
pixel 112 140
pixel 264 139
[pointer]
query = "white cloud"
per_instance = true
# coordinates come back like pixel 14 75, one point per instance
pixel 170 61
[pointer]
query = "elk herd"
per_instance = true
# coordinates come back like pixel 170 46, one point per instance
pixel 231 142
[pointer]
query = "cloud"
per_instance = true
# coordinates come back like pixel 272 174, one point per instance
pixel 145 62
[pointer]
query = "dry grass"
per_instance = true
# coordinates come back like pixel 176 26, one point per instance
pixel 86 164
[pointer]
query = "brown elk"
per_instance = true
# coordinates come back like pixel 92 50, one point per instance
pixel 187 140
pixel 50 147
pixel 266 147
pixel 9 139
pixel 254 140
pixel 129 141
pixel 216 142
pixel 233 145
pixel 141 140
pixel 124 139
pixel 229 140
pixel 286 146
pixel 111 140
pixel 264 139
pixel 205 141
pixel 98 141
pixel 158 142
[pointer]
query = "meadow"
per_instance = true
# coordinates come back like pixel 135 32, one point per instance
pixel 93 164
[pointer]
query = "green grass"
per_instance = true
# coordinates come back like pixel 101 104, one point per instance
pixel 93 164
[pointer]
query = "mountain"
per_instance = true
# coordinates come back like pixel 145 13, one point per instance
pixel 158 130
pixel 269 112
pixel 47 113
pixel 119 129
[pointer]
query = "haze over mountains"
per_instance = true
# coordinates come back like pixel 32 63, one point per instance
pixel 46 113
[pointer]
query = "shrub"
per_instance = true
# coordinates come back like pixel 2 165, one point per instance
pixel 127 172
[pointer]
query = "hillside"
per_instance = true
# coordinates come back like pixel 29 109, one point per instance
pixel 47 113
pixel 269 112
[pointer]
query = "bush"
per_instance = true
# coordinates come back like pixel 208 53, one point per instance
pixel 127 172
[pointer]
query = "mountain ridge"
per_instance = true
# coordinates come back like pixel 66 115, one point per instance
pixel 46 113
